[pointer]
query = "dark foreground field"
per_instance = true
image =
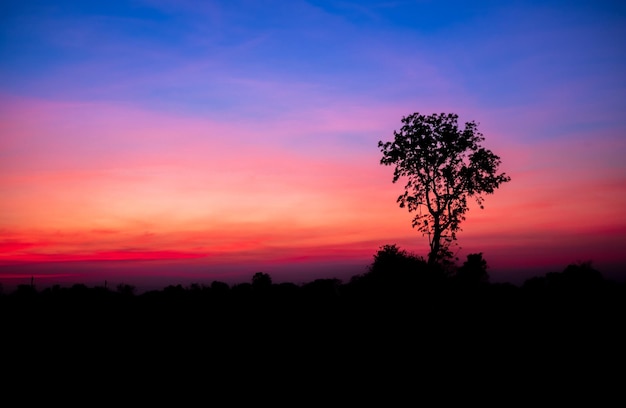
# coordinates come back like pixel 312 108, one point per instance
pixel 382 332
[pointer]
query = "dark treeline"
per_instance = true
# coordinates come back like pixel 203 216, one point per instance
pixel 395 273
pixel 400 312
pixel 397 284
pixel 400 291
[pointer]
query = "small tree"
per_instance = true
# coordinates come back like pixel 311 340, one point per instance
pixel 390 260
pixel 444 166
pixel 261 281
pixel 474 270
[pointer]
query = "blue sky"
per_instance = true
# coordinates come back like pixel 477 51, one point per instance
pixel 217 56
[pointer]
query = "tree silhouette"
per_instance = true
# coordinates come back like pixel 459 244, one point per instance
pixel 391 261
pixel 474 270
pixel 126 290
pixel 219 287
pixel 261 281
pixel 444 166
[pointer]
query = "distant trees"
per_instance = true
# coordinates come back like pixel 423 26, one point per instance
pixel 580 276
pixel 219 287
pixel 126 289
pixel 261 280
pixel 443 166
pixel 473 271
pixel 391 260
pixel 396 268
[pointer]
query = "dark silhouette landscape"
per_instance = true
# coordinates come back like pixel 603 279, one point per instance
pixel 194 195
pixel 400 320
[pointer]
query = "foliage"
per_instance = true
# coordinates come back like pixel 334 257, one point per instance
pixel 443 166
pixel 578 276
pixel 395 267
pixel 126 290
pixel 474 270
pixel 261 280
pixel 390 259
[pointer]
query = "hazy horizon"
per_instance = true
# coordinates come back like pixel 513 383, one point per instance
pixel 156 275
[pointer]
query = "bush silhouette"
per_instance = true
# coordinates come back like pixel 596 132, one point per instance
pixel 473 271
pixel 261 281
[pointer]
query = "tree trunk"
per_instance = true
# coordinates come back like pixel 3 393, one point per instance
pixel 435 245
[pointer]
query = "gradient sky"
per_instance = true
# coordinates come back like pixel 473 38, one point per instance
pixel 169 141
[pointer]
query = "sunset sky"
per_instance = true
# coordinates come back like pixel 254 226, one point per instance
pixel 164 141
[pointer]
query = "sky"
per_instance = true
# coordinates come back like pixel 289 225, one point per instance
pixel 156 142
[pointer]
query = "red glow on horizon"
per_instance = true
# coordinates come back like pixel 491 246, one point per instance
pixel 99 256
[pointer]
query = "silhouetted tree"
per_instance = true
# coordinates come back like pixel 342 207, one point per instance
pixel 474 270
pixel 196 287
pixel 391 260
pixel 219 287
pixel 444 166
pixel 261 280
pixel 397 267
pixel 579 276
pixel 583 274
pixel 172 289
pixel 125 289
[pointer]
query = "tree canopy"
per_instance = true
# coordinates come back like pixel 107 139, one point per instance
pixel 444 166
